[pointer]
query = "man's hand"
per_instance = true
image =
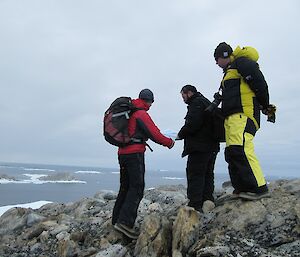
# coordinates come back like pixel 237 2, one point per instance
pixel 270 112
pixel 178 138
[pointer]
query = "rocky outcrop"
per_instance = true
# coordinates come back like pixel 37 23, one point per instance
pixel 58 176
pixel 269 227
pixel 6 177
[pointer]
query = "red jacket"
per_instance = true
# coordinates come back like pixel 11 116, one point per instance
pixel 141 126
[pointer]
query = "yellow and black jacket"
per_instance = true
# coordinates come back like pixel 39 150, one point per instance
pixel 244 88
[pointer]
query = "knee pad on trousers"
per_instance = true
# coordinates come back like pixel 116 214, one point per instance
pixel 234 152
pixel 240 170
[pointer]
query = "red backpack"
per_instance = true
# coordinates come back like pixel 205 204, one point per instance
pixel 115 123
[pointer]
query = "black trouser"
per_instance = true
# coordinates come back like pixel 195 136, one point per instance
pixel 132 184
pixel 200 177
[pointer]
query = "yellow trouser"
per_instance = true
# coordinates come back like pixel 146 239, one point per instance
pixel 244 168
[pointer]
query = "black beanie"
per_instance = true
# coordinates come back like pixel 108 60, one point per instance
pixel 223 50
pixel 146 94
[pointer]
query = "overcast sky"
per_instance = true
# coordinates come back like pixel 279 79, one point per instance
pixel 63 62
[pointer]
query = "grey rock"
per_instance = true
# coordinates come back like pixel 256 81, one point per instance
pixel 58 176
pixel 87 207
pixel 44 237
pixel 34 232
pixel 167 195
pixel 268 227
pixel 52 209
pixel 89 252
pixel 36 248
pixel 13 219
pixel 33 218
pixel 208 206
pixel 67 248
pixel 155 237
pixel 297 209
pixel 185 229
pixel 290 249
pixel 214 251
pixel 62 236
pixel 144 205
pixel 292 187
pixel 116 250
pixel 155 207
pixel 110 196
pixel 58 229
pixel 5 176
pixel 106 195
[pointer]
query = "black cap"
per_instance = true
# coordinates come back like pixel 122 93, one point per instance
pixel 223 50
pixel 147 95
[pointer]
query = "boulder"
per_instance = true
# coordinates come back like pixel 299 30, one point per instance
pixel 185 230
pixel 155 237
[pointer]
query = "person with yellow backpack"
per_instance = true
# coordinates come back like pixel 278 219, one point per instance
pixel 243 93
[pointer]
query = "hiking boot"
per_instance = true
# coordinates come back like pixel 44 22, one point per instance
pixel 127 231
pixel 208 206
pixel 254 196
pixel 227 198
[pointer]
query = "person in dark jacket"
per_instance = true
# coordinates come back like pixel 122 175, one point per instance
pixel 132 164
pixel 244 94
pixel 200 146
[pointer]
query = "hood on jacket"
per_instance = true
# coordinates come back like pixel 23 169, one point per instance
pixel 141 104
pixel 247 51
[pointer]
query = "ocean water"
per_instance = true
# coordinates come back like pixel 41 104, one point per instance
pixel 25 183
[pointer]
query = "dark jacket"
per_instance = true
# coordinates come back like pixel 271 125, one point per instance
pixel 244 87
pixel 197 131
pixel 142 127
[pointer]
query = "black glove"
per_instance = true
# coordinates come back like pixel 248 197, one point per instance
pixel 270 111
pixel 218 96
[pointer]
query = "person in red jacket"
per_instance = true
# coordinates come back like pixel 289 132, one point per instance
pixel 132 164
